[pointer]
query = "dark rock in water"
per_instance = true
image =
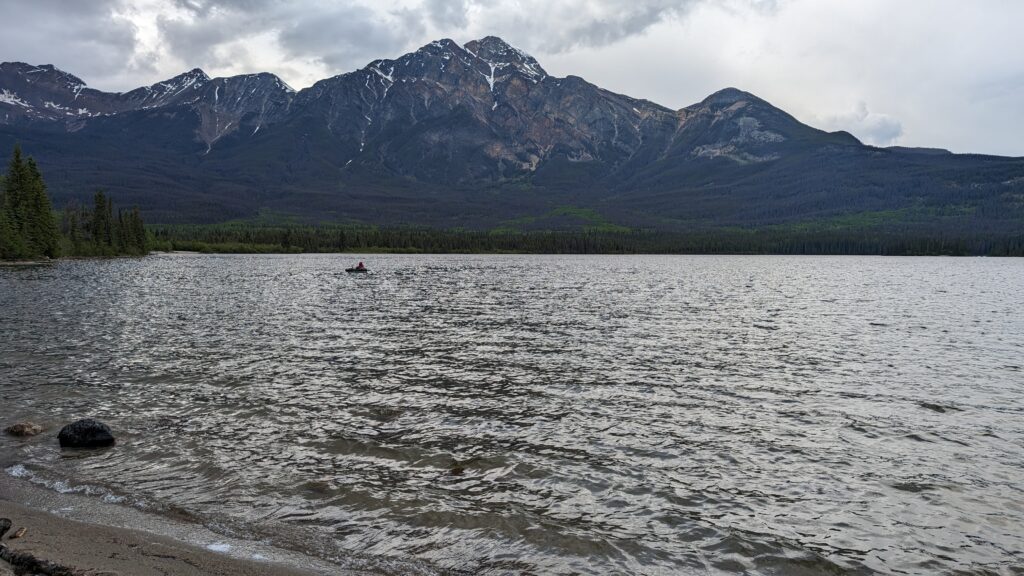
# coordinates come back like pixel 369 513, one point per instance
pixel 87 433
pixel 938 407
pixel 5 525
pixel 24 429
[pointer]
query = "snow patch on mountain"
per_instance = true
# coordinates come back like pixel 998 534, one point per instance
pixel 8 97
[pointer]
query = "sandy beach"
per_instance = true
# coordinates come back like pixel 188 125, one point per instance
pixel 93 549
pixel 57 536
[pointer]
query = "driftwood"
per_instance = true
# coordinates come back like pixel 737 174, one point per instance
pixel 25 563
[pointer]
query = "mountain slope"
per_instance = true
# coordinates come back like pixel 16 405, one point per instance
pixel 477 135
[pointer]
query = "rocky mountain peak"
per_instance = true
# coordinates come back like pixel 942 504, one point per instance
pixel 441 46
pixel 500 54
pixel 194 78
pixel 260 79
pixel 196 73
pixel 43 73
pixel 728 97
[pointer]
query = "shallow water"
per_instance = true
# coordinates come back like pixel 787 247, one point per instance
pixel 549 415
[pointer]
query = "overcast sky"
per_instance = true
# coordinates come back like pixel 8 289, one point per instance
pixel 939 73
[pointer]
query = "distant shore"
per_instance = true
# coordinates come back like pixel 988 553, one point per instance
pixel 83 536
pixel 17 263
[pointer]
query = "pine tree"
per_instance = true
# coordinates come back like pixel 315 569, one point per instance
pixel 100 221
pixel 6 232
pixel 122 236
pixel 14 206
pixel 74 229
pixel 138 231
pixel 42 233
pixel 12 234
pixel 11 246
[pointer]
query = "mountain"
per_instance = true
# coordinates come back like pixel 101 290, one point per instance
pixel 481 136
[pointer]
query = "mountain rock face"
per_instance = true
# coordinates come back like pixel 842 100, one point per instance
pixel 33 94
pixel 471 135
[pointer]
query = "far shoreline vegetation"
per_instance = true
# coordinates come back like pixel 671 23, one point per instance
pixel 243 238
pixel 30 230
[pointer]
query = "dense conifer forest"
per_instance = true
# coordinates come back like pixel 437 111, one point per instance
pixel 30 230
pixel 253 238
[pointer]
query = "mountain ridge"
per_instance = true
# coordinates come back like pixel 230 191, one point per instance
pixel 473 135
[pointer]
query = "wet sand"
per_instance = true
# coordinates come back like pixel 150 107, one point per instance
pixel 113 544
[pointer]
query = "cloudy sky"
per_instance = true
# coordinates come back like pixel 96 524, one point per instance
pixel 940 73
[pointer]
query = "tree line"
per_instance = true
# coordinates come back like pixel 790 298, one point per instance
pixel 99 230
pixel 29 228
pixel 258 238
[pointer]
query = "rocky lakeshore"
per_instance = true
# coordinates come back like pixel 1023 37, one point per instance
pixel 48 535
pixel 57 534
pixel 56 546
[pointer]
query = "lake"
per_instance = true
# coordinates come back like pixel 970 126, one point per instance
pixel 542 414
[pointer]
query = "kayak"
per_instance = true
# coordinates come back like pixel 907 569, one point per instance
pixel 357 270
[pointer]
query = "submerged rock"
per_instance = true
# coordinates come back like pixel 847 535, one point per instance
pixel 86 433
pixel 938 407
pixel 24 429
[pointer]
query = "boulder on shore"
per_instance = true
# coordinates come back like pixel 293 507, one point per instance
pixel 86 433
pixel 24 429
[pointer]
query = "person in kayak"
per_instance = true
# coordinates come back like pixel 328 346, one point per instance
pixel 360 266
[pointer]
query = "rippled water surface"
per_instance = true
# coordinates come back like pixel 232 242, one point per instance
pixel 548 415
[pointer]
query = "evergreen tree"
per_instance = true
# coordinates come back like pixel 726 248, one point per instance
pixel 74 228
pixel 6 232
pixel 11 246
pixel 138 231
pixel 15 204
pixel 100 221
pixel 41 227
pixel 28 228
pixel 121 235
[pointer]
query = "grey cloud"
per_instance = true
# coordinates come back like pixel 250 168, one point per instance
pixel 871 127
pixel 444 13
pixel 344 35
pixel 348 36
pixel 341 35
pixel 192 42
pixel 626 19
pixel 84 38
pixel 205 7
pixel 556 27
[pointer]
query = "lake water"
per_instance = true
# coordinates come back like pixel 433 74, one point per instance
pixel 542 414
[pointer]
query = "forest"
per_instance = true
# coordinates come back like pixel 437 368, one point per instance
pixel 31 230
pixel 261 238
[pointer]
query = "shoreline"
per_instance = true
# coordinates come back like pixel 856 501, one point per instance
pixel 20 263
pixel 78 534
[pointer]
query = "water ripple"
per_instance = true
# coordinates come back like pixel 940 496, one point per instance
pixel 548 415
